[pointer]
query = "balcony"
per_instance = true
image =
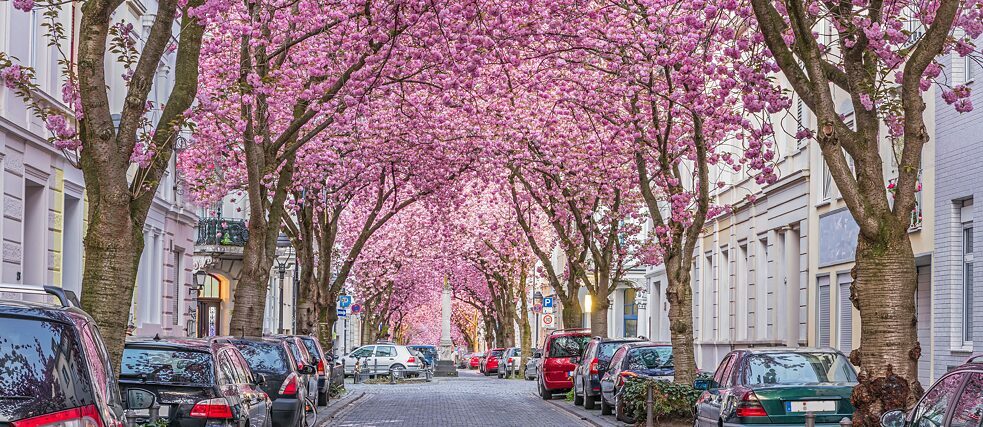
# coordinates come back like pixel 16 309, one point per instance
pixel 221 236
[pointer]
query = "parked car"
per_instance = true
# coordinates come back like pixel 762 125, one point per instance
pixel 956 399
pixel 509 362
pixel 463 361
pixel 429 353
pixel 475 361
pixel 489 364
pixel 532 365
pixel 561 352
pixel 382 358
pixel 777 386
pixel 322 362
pixel 273 359
pixel 587 374
pixel 46 341
pixel 197 382
pixel 306 367
pixel 636 359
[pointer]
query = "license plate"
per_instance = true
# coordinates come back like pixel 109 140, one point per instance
pixel 811 406
pixel 570 374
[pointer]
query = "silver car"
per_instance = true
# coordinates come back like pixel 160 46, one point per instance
pixel 508 364
pixel 381 358
pixel 532 365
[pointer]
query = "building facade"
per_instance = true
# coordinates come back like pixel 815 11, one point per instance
pixel 957 327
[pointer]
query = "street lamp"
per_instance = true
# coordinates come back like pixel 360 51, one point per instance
pixel 199 278
pixel 282 241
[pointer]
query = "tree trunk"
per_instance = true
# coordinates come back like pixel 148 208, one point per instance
pixel 573 314
pixel 113 244
pixel 249 299
pixel 599 315
pixel 885 282
pixel 525 332
pixel 679 294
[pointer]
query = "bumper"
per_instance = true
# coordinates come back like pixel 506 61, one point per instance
pixel 779 425
pixel 593 387
pixel 557 381
pixel 287 412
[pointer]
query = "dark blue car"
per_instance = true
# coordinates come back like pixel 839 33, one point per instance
pixel 645 359
pixel 429 353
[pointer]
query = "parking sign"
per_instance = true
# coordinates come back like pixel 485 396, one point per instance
pixel 344 301
pixel 548 302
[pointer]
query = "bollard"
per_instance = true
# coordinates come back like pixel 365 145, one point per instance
pixel 649 403
pixel 810 419
pixel 846 421
pixel 131 418
pixel 154 413
pixel 375 366
pixel 392 376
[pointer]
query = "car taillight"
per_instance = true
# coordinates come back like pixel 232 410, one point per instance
pixel 593 366
pixel 213 409
pixel 320 366
pixel 510 361
pixel 289 387
pixel 622 377
pixel 411 360
pixel 750 406
pixel 85 416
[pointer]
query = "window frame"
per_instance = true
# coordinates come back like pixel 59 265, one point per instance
pixel 966 265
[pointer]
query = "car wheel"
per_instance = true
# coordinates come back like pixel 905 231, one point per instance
pixel 398 368
pixel 605 408
pixel 322 397
pixel 590 402
pixel 619 412
pixel 578 399
pixel 543 392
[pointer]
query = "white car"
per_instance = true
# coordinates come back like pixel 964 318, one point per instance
pixel 381 358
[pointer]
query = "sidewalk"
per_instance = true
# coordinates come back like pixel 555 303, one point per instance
pixel 595 418
pixel 336 405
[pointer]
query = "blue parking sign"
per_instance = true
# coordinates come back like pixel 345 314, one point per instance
pixel 344 301
pixel 548 302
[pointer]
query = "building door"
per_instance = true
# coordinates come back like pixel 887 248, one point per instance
pixel 630 326
pixel 209 318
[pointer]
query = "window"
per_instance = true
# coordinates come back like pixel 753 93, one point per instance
pixel 798 368
pixel 386 351
pixel 363 352
pixel 823 312
pixel 178 295
pixel 845 339
pixel 968 69
pixel 930 412
pixel 827 181
pixel 967 270
pixel 969 407
pixel 631 313
pixel 718 377
pixel 568 346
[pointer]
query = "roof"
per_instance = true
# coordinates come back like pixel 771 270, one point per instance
pixel 42 311
pixel 761 350
pixel 199 344
pixel 604 340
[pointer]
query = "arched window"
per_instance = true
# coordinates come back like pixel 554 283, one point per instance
pixel 211 289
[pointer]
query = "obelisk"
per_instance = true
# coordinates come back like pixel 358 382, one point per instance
pixel 445 366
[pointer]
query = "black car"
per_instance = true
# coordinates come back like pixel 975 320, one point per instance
pixel 322 362
pixel 272 357
pixel 197 382
pixel 956 400
pixel 306 367
pixel 587 375
pixel 54 367
pixel 645 359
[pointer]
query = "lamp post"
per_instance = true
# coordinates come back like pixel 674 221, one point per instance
pixel 282 241
pixel 537 299
pixel 199 284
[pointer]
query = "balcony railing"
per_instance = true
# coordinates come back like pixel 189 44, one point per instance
pixel 222 232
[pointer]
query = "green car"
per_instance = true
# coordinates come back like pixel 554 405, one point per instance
pixel 777 387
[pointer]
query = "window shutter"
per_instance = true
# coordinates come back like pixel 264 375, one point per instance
pixel 958 63
pixel 824 319
pixel 846 317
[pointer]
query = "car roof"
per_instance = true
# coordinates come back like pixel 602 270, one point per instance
pixel 198 344
pixel 765 350
pixel 42 311
pixel 602 340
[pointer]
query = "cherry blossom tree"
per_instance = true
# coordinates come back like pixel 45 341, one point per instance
pixel 881 57
pixel 107 152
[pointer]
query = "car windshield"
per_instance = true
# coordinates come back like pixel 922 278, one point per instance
pixel 568 346
pixel 41 369
pixel 167 365
pixel 264 357
pixel 798 368
pixel 650 358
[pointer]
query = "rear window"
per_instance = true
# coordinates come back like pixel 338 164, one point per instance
pixel 497 353
pixel 568 346
pixel 167 365
pixel 311 347
pixel 650 358
pixel 606 349
pixel 42 369
pixel 798 368
pixel 264 357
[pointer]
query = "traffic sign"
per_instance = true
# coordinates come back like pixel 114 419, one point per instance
pixel 548 319
pixel 537 308
pixel 344 301
pixel 342 312
pixel 548 302
pixel 356 308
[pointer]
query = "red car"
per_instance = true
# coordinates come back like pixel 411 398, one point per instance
pixel 489 365
pixel 475 361
pixel 561 353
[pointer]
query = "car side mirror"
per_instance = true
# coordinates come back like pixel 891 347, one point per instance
pixel 895 418
pixel 703 384
pixel 306 369
pixel 575 360
pixel 537 355
pixel 137 398
pixel 259 379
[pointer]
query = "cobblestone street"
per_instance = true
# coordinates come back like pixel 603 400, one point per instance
pixel 469 400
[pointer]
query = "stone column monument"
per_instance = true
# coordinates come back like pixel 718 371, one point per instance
pixel 445 366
